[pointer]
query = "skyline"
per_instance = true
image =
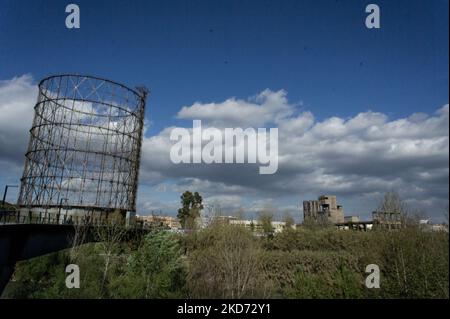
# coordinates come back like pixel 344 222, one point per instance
pixel 360 112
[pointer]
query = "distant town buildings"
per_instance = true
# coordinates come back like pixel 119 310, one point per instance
pixel 325 208
pixel 426 225
pixel 161 221
pixel 251 224
pixel 255 225
pixel 174 224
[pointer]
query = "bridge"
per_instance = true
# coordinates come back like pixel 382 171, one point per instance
pixel 27 236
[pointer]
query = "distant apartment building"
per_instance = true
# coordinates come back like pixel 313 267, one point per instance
pixel 255 225
pixel 153 220
pixel 325 208
pixel 278 227
pixel 224 219
pixel 251 224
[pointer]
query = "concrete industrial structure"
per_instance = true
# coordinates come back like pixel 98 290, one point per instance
pixel 351 219
pixel 387 220
pixel 325 208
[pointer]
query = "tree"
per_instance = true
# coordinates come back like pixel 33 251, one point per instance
pixel 214 210
pixel 190 210
pixel 155 270
pixel 110 236
pixel 289 220
pixel 392 202
pixel 446 215
pixel 239 213
pixel 265 219
pixel 78 238
pixel 227 262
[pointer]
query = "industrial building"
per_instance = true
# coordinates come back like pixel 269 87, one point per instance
pixel 387 220
pixel 323 209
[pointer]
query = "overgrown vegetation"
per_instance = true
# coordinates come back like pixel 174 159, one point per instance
pixel 231 261
pixel 225 261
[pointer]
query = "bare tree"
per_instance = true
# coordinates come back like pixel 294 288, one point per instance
pixel 392 202
pixel 231 265
pixel 241 260
pixel 78 238
pixel 446 215
pixel 109 236
pixel 239 213
pixel 288 219
pixel 215 210
pixel 265 219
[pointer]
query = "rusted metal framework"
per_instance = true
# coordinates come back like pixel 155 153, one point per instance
pixel 85 144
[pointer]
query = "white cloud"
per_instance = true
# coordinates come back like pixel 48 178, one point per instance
pixel 266 107
pixel 17 99
pixel 357 157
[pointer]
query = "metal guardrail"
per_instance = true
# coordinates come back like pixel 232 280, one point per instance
pixel 11 217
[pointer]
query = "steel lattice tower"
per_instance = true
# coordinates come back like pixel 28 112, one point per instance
pixel 85 145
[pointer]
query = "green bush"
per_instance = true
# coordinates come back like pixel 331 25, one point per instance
pixel 155 270
pixel 225 261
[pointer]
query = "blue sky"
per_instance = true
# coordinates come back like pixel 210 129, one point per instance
pixel 319 52
pixel 185 51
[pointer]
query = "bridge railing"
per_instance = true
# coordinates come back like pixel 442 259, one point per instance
pixel 8 217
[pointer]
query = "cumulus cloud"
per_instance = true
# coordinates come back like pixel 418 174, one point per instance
pixel 357 158
pixel 266 107
pixel 364 155
pixel 17 98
